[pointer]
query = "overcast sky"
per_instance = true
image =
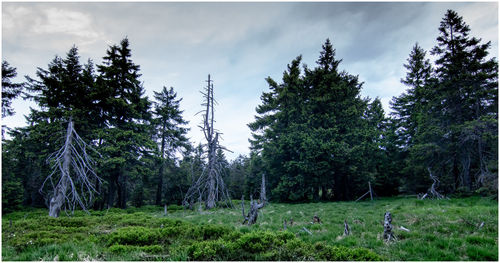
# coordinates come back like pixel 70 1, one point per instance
pixel 239 44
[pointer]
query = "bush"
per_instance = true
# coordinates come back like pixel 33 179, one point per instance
pixel 134 236
pixel 210 250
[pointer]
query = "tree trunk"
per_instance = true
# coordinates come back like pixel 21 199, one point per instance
pixel 112 189
pixel 122 189
pixel 263 197
pixel 57 201
pixel 162 165
pixel 160 184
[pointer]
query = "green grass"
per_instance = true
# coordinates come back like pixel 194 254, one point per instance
pixel 439 230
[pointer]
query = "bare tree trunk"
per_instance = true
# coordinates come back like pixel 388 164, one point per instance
pixel 434 185
pixel 57 201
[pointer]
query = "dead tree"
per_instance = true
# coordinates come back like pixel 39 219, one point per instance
pixel 251 217
pixel 209 186
pixel 388 235
pixel 435 183
pixel 73 179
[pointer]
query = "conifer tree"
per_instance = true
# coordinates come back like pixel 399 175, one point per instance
pixel 169 132
pixel 466 101
pixel 309 132
pixel 10 90
pixel 126 138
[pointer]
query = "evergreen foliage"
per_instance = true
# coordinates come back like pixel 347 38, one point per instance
pixel 169 132
pixel 314 137
pixel 10 90
pixel 313 131
pixel 449 112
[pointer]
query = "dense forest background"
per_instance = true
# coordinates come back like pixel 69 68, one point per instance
pixel 314 136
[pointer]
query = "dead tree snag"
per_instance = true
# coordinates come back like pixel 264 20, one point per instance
pixel 251 217
pixel 432 190
pixel 72 180
pixel 209 186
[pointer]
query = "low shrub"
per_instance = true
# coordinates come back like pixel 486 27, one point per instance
pixel 275 246
pixel 210 250
pixel 134 235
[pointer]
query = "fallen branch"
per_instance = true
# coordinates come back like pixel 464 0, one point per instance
pixel 404 228
pixel 306 230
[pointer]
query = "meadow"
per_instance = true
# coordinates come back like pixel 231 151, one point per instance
pixel 461 229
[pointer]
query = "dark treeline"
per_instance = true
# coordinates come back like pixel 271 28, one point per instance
pixel 314 137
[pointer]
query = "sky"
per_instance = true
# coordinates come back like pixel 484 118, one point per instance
pixel 239 44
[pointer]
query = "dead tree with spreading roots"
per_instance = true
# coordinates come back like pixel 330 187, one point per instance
pixel 73 180
pixel 209 187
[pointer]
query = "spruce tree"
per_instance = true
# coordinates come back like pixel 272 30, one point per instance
pixel 169 133
pixel 10 90
pixel 465 102
pixel 126 111
pixel 411 118
pixel 309 132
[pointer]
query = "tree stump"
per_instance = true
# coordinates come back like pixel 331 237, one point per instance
pixel 251 217
pixel 347 231
pixel 388 235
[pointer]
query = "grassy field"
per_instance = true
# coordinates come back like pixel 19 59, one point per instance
pixel 439 230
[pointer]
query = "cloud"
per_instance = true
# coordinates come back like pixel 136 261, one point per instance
pixel 57 20
pixel 240 44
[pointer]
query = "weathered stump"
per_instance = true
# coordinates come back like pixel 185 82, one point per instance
pixel 251 217
pixel 347 231
pixel 388 235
